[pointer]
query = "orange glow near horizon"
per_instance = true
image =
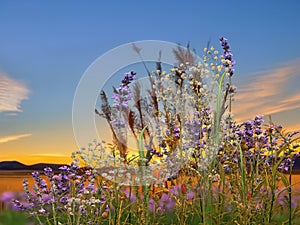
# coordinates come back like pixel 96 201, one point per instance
pixel 56 145
pixel 34 159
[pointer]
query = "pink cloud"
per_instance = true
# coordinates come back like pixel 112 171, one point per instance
pixel 266 94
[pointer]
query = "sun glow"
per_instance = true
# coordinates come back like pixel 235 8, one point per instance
pixel 42 158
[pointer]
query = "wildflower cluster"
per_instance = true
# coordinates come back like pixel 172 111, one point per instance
pixel 194 160
pixel 72 192
pixel 261 147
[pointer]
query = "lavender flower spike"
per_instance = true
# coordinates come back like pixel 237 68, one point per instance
pixel 228 61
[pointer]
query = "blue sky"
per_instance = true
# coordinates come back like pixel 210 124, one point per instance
pixel 45 48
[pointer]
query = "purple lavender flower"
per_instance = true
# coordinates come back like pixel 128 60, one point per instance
pixel 287 163
pixel 39 182
pixel 7 196
pixel 177 132
pixel 42 211
pixel 170 205
pixel 48 172
pixel 122 93
pixel 227 56
pixel 79 186
pixel 190 195
pixel 258 120
pixel 121 97
pixel 18 205
pixel 35 175
pixel 128 78
pixel 175 190
pixel 117 123
pixel 192 132
pixel 166 203
pixel 130 195
pixel 63 200
pixel 63 169
pixel 39 201
pixel 152 205
pixel 91 188
pixel 47 199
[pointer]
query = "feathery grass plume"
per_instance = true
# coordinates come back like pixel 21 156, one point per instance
pixel 107 114
pixel 131 122
pixel 138 51
pixel 184 55
pixel 138 99
pixel 152 92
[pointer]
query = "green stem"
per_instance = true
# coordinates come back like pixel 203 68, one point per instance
pixel 242 174
pixel 143 164
pixel 290 192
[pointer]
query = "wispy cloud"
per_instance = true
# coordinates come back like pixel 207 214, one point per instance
pixel 290 103
pixel 5 139
pixel 268 93
pixel 12 93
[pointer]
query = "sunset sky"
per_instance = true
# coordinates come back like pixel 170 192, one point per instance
pixel 46 46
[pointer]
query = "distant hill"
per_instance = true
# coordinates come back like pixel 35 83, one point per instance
pixel 15 165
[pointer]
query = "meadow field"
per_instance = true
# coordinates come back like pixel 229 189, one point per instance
pixel 11 181
pixel 194 163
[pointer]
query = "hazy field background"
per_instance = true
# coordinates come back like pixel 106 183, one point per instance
pixel 12 180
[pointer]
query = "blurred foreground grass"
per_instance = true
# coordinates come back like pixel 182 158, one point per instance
pixel 12 217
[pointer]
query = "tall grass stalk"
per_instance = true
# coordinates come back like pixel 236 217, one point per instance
pixel 145 185
pixel 290 192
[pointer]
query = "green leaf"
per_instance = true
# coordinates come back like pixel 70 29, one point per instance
pixel 141 144
pixel 284 179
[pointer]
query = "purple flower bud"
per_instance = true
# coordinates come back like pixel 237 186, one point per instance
pixel 35 175
pixel 48 172
pixel 128 78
